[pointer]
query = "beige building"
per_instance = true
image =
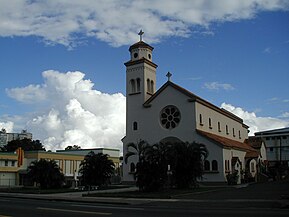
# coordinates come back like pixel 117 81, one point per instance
pixel 173 113
pixel 13 166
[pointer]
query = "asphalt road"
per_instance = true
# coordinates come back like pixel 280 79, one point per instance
pixel 26 207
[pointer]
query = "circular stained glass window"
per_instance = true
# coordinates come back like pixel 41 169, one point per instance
pixel 170 117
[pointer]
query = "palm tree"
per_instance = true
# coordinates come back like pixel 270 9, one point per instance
pixel 46 173
pixel 188 163
pixel 138 150
pixel 96 169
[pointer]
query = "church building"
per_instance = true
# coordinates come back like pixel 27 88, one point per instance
pixel 173 113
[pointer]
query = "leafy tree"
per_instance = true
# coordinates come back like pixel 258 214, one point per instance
pixel 46 173
pixel 74 147
pixel 25 144
pixel 96 169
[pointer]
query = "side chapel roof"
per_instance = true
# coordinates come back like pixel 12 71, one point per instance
pixel 230 143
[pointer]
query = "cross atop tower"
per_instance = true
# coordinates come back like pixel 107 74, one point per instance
pixel 169 75
pixel 140 35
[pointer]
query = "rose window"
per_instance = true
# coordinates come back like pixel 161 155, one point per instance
pixel 170 117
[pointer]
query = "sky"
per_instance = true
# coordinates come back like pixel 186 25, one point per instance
pixel 63 77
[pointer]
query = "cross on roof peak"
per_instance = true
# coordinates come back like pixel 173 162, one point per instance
pixel 169 75
pixel 140 35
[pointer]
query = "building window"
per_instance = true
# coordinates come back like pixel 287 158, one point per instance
pixel 234 132
pixel 170 117
pixel 132 86
pixel 227 165
pixel 219 126
pixel 134 125
pixel 6 163
pixel 132 168
pixel 138 84
pixel 148 85
pixel 201 120
pixel 227 131
pixel 239 134
pixel 284 137
pixel 271 149
pixel 206 165
pixel 214 165
pixel 252 167
pixel 210 123
pixel 13 163
pixel 152 86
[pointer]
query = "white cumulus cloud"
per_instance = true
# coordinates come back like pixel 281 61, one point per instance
pixel 217 86
pixel 116 22
pixel 8 126
pixel 254 122
pixel 75 113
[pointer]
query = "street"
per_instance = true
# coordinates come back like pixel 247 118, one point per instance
pixel 28 207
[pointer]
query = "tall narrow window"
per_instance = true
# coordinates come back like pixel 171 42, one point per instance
pixel 210 123
pixel 219 126
pixel 148 85
pixel 132 86
pixel 215 165
pixel 201 119
pixel 138 84
pixel 134 125
pixel 234 132
pixel 239 134
pixel 227 130
pixel 206 165
pixel 152 86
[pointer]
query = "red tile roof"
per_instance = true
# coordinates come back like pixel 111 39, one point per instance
pixel 228 143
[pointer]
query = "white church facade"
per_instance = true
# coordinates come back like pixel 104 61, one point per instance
pixel 174 113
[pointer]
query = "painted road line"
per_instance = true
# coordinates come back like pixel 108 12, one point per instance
pixel 109 207
pixel 74 211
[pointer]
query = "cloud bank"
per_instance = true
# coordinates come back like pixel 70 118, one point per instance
pixel 116 22
pixel 256 123
pixel 74 112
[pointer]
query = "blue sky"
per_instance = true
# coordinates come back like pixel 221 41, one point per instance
pixel 233 55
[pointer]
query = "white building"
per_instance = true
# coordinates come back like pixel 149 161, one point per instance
pixel 277 145
pixel 7 137
pixel 173 113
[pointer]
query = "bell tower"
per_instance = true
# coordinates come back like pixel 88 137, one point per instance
pixel 140 72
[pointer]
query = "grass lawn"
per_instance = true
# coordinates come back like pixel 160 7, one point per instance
pixel 164 194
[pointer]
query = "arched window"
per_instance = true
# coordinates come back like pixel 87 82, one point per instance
pixel 148 85
pixel 152 86
pixel 132 167
pixel 214 165
pixel 134 125
pixel 206 165
pixel 132 86
pixel 201 119
pixel 138 84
